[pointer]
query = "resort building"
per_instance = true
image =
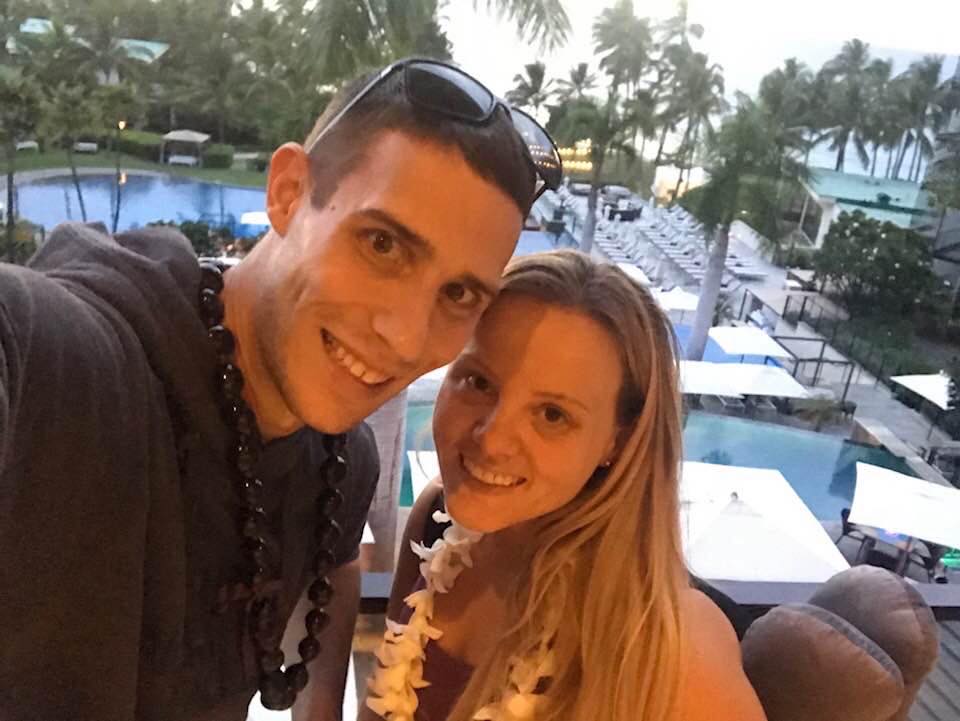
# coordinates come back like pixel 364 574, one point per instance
pixel 828 193
pixel 146 51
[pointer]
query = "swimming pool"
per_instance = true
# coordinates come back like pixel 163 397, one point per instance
pixel 143 199
pixel 820 468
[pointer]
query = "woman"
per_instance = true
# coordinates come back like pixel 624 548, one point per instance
pixel 560 591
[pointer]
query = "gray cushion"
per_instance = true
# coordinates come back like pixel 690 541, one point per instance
pixel 893 614
pixel 807 664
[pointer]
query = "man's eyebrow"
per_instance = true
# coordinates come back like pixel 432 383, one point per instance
pixel 421 245
pixel 561 397
pixel 426 249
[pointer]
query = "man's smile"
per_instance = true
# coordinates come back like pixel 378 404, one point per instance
pixel 349 360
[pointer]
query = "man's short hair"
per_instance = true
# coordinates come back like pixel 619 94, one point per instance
pixel 493 150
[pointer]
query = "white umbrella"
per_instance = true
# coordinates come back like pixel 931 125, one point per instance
pixel 705 378
pixel 935 387
pixel 255 217
pixel 901 504
pixel 753 379
pixel 634 272
pixel 747 340
pixel 677 299
pixel 748 524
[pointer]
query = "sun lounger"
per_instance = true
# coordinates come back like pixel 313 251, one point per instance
pixel 85 147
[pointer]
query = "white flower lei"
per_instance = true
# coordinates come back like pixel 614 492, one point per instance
pixel 393 688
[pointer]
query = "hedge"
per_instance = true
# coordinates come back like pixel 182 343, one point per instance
pixel 218 156
pixel 140 144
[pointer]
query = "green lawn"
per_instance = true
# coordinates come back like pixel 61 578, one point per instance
pixel 58 159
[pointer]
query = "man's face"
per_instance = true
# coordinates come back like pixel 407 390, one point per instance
pixel 383 283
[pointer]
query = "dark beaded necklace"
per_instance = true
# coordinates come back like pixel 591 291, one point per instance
pixel 278 686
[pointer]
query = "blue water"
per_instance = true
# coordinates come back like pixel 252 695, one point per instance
pixel 143 199
pixel 714 353
pixel 821 469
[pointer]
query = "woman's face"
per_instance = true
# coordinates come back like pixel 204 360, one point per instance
pixel 526 414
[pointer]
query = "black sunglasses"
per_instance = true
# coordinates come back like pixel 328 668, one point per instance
pixel 449 91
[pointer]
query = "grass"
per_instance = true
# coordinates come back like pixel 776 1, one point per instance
pixel 105 159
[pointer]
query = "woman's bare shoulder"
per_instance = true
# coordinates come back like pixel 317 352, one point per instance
pixel 714 684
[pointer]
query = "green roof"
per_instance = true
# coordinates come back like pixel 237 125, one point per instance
pixel 896 201
pixel 145 50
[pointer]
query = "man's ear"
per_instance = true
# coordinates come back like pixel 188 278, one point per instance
pixel 287 184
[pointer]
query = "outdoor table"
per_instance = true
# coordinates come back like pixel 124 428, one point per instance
pixel 903 543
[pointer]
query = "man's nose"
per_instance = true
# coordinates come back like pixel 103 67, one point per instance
pixel 404 324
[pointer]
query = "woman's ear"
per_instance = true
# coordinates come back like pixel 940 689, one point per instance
pixel 287 184
pixel 612 451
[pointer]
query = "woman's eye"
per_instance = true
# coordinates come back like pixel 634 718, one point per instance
pixel 553 416
pixel 461 296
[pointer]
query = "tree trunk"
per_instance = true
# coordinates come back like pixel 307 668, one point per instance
pixel 889 162
pixel 686 136
pixel 841 153
pixel 590 222
pixel 900 155
pixel 873 166
pixel 663 139
pixel 76 181
pixel 11 222
pixel 914 160
pixel 709 293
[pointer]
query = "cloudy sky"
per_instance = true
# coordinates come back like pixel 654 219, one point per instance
pixel 746 37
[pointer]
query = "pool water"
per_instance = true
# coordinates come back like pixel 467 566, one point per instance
pixel 143 199
pixel 820 468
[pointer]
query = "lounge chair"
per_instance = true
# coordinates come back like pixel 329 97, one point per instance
pixel 849 530
pixel 930 560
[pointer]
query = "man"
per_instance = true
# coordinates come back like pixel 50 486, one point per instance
pixel 160 528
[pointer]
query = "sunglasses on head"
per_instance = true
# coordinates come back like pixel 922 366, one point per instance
pixel 449 91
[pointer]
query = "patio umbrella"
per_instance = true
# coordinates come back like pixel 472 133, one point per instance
pixel 753 379
pixel 901 504
pixel 748 524
pixel 747 340
pixel 634 272
pixel 934 387
pixel 705 378
pixel 677 299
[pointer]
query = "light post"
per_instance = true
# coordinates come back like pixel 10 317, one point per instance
pixel 121 124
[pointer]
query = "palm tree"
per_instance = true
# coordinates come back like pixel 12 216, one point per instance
pixel 673 40
pixel 543 21
pixel 744 153
pixel 922 105
pixel 625 43
pixel 19 112
pixel 699 95
pixel 68 115
pixel 609 129
pixel 576 86
pixel 846 75
pixel 532 90
pixel 98 26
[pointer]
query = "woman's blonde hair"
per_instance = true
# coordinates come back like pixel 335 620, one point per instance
pixel 605 580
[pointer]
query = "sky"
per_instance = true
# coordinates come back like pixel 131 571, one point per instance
pixel 748 38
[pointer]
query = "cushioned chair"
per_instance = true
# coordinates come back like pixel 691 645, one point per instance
pixel 858 651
